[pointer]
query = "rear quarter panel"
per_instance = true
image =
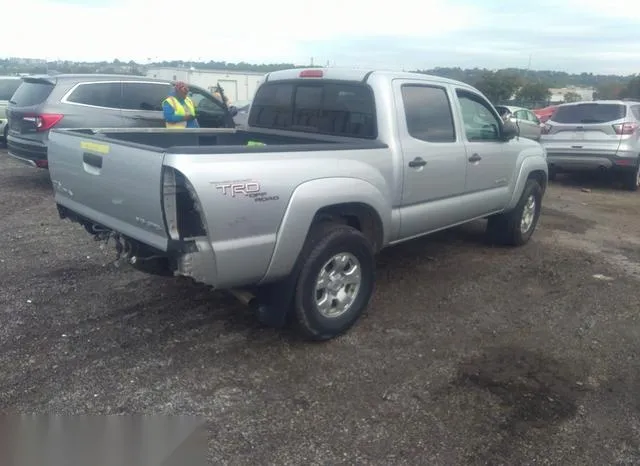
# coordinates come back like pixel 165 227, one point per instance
pixel 283 191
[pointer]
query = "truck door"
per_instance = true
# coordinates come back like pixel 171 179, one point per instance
pixel 490 161
pixel 433 154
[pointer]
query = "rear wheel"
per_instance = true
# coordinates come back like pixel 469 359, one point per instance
pixel 631 179
pixel 336 281
pixel 514 228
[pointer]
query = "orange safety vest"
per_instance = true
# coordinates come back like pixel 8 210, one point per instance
pixel 179 109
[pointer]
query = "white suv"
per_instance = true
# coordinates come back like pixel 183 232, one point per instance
pixel 599 135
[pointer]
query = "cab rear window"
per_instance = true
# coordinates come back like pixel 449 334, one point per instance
pixel 334 108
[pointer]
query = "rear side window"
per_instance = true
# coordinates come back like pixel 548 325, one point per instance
pixel 428 113
pixel 590 113
pixel 8 87
pixel 334 108
pixel 106 95
pixel 144 96
pixel 31 93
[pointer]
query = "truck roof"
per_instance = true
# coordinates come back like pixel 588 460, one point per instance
pixel 354 74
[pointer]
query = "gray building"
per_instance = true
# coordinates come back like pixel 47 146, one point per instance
pixel 238 86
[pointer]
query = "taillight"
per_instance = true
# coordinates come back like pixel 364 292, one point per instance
pixel 311 73
pixel 44 121
pixel 183 214
pixel 625 128
pixel 546 128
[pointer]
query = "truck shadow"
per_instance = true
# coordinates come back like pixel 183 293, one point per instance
pixel 431 247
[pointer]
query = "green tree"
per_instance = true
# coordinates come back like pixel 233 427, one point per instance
pixel 632 89
pixel 498 86
pixel 572 97
pixel 608 91
pixel 534 92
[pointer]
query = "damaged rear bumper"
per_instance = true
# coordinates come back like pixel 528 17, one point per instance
pixel 190 257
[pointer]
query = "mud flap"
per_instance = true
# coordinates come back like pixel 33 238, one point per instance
pixel 275 301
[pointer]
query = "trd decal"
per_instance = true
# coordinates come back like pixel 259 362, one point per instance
pixel 250 189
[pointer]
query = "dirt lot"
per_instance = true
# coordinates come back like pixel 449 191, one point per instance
pixel 468 355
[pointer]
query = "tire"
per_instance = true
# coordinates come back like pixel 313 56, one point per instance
pixel 6 136
pixel 507 228
pixel 326 242
pixel 631 180
pixel 553 173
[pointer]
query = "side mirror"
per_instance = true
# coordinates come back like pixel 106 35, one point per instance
pixel 233 111
pixel 509 131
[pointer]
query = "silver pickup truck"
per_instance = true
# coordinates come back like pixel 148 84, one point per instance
pixel 333 166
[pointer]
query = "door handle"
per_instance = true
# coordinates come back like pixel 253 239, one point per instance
pixel 417 162
pixel 92 159
pixel 475 158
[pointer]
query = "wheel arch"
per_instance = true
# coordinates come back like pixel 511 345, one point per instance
pixel 349 201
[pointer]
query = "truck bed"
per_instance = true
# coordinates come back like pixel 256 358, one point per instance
pixel 221 141
pixel 135 181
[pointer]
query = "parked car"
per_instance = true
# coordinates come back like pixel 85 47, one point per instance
pixel 334 166
pixel 544 114
pixel 526 121
pixel 601 135
pixel 94 101
pixel 8 85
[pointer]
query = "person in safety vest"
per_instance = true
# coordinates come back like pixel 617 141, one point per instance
pixel 179 110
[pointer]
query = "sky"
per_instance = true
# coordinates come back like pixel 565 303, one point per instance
pixel 567 35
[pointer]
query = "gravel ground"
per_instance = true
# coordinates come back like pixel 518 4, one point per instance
pixel 468 355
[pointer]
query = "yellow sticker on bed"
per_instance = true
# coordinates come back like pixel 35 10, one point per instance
pixel 94 147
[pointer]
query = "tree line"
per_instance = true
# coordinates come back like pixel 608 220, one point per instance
pixel 530 87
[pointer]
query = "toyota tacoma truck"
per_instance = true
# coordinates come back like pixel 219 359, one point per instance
pixel 290 211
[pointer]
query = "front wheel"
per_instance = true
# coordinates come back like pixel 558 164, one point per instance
pixel 336 281
pixel 514 228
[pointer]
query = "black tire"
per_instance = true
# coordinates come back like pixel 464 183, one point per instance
pixel 553 174
pixel 506 228
pixel 325 241
pixel 631 179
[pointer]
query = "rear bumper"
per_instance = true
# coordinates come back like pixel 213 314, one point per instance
pixel 586 162
pixel 193 258
pixel 32 153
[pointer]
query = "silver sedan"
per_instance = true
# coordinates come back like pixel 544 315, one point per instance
pixel 528 123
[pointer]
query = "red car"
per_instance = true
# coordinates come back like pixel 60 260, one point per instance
pixel 544 114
